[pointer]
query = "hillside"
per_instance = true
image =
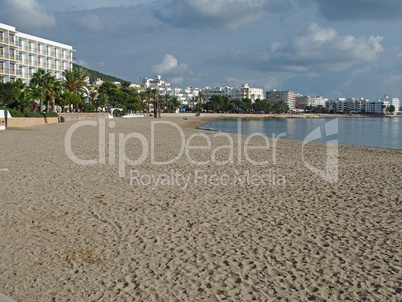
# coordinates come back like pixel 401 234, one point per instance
pixel 93 75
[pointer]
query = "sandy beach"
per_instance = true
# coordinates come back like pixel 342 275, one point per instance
pixel 210 225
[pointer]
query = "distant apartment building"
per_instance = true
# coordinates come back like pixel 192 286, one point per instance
pixel 289 97
pixel 243 92
pixel 377 106
pixel 184 96
pixel 351 104
pixel 396 103
pixel 221 91
pixel 252 93
pixel 302 101
pixel 156 83
pixel 362 105
pixel 21 55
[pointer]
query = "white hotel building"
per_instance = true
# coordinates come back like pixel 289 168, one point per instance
pixel 21 55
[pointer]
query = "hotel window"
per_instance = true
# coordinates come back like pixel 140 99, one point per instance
pixel 12 68
pixel 19 42
pixel 30 59
pixel 1 36
pixel 38 48
pixel 11 53
pixel 11 38
pixel 30 46
pixel 47 50
pixel 1 52
pixel 1 66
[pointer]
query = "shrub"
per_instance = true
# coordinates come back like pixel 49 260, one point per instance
pixel 15 113
pixel 33 114
pixel 50 114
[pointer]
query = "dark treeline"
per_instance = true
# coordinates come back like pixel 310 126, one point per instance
pixel 222 104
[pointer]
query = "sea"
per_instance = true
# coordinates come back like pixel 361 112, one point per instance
pixel 361 131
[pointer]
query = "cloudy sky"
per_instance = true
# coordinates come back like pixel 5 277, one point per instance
pixel 343 48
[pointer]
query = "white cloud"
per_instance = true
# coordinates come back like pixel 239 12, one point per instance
pixel 169 62
pixel 90 23
pixel 27 15
pixel 316 50
pixel 325 46
pixel 170 65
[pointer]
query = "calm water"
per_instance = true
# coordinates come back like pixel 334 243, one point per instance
pixel 372 132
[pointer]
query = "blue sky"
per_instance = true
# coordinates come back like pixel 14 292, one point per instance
pixel 343 48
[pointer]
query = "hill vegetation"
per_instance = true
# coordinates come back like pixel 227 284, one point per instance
pixel 93 75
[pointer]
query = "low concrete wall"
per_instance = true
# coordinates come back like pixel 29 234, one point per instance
pixel 51 120
pixel 30 121
pixel 65 117
pixel 25 121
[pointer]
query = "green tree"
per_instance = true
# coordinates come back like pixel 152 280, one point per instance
pixel 280 107
pixel 38 83
pixel 74 81
pixel 24 100
pixel 68 97
pixel 102 100
pixel 262 106
pixel 391 109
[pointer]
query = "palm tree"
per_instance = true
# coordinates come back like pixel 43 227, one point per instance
pixel 56 93
pixel 153 98
pixel 175 103
pixel 74 81
pixel 51 89
pixel 23 99
pixel 200 101
pixel 143 98
pixel 37 85
pixel 36 93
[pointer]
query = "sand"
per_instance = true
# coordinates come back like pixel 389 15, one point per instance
pixel 82 233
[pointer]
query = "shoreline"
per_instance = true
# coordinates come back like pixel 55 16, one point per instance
pixel 278 116
pixel 204 123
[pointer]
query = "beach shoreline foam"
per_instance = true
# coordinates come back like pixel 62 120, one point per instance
pixel 238 230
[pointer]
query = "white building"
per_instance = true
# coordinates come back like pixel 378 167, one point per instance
pixel 221 91
pixel 21 55
pixel 377 106
pixel 301 102
pixel 396 103
pixel 156 83
pixel 184 96
pixel 242 92
pixel 288 97
pixel 352 105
